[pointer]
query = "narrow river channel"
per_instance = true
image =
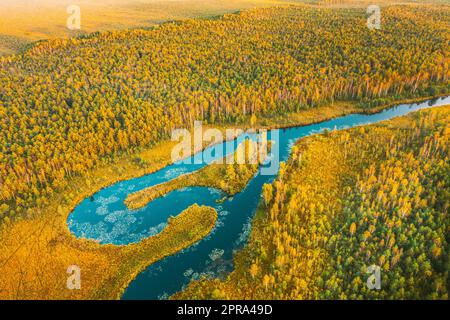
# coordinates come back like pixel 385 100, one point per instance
pixel 105 218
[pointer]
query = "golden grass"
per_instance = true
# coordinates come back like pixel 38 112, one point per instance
pixel 35 255
pixel 26 21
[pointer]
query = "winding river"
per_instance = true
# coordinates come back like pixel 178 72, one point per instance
pixel 105 218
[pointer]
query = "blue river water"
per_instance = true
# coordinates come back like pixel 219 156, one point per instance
pixel 105 218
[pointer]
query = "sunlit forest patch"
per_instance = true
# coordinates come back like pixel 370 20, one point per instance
pixel 371 196
pixel 68 105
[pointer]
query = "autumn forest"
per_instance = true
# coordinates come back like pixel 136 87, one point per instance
pixel 82 113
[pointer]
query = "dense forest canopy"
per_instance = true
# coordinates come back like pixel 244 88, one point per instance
pixel 345 201
pixel 67 104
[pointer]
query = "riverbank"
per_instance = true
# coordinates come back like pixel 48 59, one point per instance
pixel 365 196
pixel 228 176
pixel 182 231
pixel 36 250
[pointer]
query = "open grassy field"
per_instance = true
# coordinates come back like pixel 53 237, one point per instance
pixel 25 21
